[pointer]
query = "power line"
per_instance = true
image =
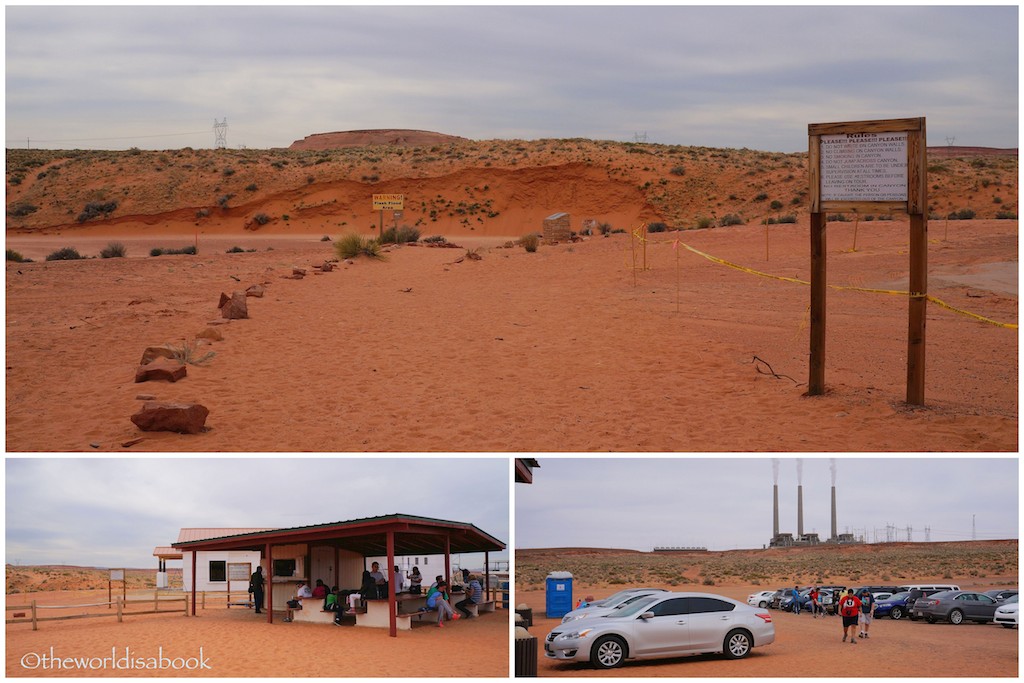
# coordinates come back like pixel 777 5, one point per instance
pixel 128 137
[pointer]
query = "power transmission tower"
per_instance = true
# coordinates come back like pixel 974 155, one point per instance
pixel 927 534
pixel 220 133
pixel 950 140
pixel 640 137
pixel 910 534
pixel 974 529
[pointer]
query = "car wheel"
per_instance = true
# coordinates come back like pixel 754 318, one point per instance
pixel 929 620
pixel 608 652
pixel 956 617
pixel 738 644
pixel 1007 625
pixel 896 613
pixel 762 604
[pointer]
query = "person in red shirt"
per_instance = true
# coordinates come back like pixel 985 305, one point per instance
pixel 849 609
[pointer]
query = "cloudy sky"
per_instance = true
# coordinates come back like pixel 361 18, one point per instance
pixel 116 77
pixel 109 512
pixel 725 503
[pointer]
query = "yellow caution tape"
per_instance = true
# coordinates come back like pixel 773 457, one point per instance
pixel 915 295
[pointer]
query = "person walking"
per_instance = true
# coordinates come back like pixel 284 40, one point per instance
pixel 256 584
pixel 849 608
pixel 867 612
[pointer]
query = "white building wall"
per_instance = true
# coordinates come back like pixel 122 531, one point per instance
pixel 203 582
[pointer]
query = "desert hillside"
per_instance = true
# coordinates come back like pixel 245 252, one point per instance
pixel 453 186
pixel 34 578
pixel 968 562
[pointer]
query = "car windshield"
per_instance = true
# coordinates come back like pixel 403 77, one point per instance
pixel 1010 599
pixel 636 607
pixel 899 596
pixel 943 595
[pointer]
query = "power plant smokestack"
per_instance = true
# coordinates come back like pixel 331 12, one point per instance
pixel 834 536
pixel 775 509
pixel 800 511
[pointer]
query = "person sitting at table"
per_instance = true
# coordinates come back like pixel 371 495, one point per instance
pixel 474 594
pixel 415 581
pixel 331 602
pixel 304 591
pixel 320 590
pixel 438 599
pixel 380 581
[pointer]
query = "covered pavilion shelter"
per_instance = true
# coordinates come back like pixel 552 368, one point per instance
pixel 385 536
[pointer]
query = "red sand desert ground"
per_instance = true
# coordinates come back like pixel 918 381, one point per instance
pixel 237 643
pixel 558 350
pixel 572 348
pixel 804 646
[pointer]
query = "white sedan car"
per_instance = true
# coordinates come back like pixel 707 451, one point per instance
pixel 1006 613
pixel 760 599
pixel 608 604
pixel 663 625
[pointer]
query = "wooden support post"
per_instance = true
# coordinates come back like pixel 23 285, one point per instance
pixel 392 590
pixel 918 308
pixel 120 610
pixel 193 583
pixel 35 621
pixel 816 379
pixel 268 594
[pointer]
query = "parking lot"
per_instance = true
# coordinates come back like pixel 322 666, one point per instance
pixel 809 647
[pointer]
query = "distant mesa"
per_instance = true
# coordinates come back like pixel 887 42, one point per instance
pixel 367 138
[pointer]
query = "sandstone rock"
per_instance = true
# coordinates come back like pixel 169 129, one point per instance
pixel 131 442
pixel 224 298
pixel 234 308
pixel 327 267
pixel 256 291
pixel 184 418
pixel 145 397
pixel 154 352
pixel 211 334
pixel 161 369
pixel 301 272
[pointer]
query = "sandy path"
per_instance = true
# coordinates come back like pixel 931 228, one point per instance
pixel 553 351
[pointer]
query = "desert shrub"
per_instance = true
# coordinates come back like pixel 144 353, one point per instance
pixel 961 215
pixel 435 239
pixel 261 218
pixel 678 170
pixel 325 238
pixel 223 200
pixel 188 353
pixel 776 205
pixel 1003 215
pixel 251 187
pixel 16 179
pixel 64 254
pixel 604 228
pixel 730 219
pixel 114 250
pixel 158 251
pixel 788 218
pixel 838 217
pixel 95 209
pixel 14 256
pixel 704 222
pixel 708 582
pixel 229 172
pixel 352 245
pixel 202 213
pixel 21 209
pixel 401 236
pixel 530 242
pixel 656 227
pixel 235 250
pixel 761 196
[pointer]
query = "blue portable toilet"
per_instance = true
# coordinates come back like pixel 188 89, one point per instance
pixel 558 594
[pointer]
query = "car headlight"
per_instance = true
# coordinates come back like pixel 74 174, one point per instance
pixel 574 635
pixel 572 617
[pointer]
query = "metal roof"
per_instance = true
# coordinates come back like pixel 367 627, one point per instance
pixel 367 536
pixel 202 533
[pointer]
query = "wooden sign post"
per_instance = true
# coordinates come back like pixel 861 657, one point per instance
pixel 870 166
pixel 116 575
pixel 388 202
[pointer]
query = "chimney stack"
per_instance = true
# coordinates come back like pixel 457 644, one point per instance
pixel 800 511
pixel 835 536
pixel 775 510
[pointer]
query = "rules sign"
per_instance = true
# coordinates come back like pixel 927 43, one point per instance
pixel 864 167
pixel 388 202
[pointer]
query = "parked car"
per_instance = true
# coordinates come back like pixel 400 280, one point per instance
pixel 916 593
pixel 1006 612
pixel 663 625
pixel 955 607
pixel 933 587
pixel 894 606
pixel 608 604
pixel 787 599
pixel 615 597
pixel 760 598
pixel 1001 594
pixel 777 598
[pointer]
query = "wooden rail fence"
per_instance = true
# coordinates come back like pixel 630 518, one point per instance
pixel 30 613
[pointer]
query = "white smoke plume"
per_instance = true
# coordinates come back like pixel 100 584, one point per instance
pixel 832 467
pixel 775 470
pixel 800 471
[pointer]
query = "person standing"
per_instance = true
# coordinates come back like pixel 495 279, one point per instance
pixel 796 599
pixel 867 612
pixel 813 595
pixel 256 584
pixel 415 581
pixel 849 608
pixel 379 581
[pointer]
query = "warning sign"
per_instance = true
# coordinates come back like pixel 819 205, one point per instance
pixel 388 202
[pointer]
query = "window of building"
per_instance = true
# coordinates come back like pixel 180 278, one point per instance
pixel 218 571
